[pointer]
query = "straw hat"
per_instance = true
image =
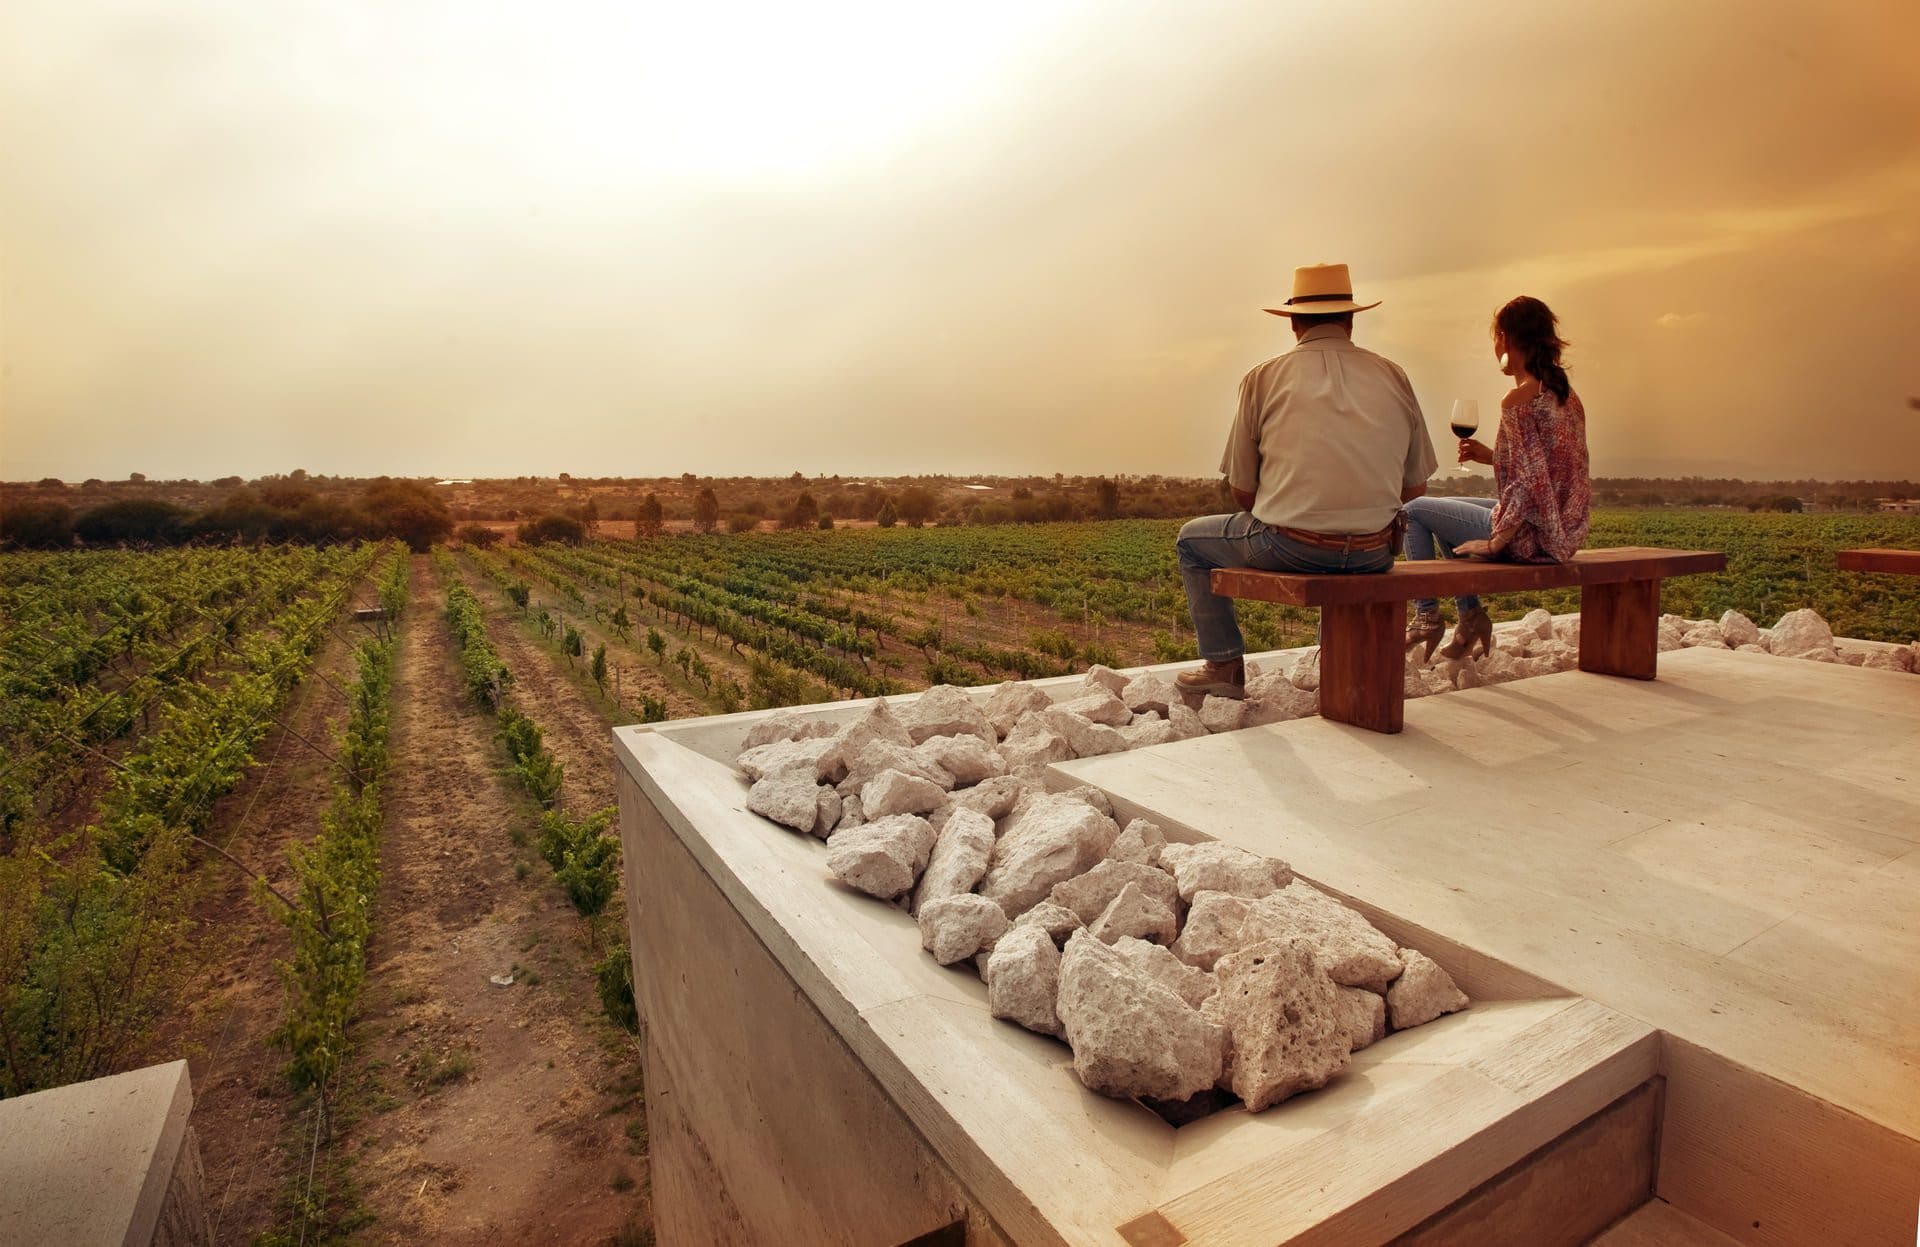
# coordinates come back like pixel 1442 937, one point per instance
pixel 1321 290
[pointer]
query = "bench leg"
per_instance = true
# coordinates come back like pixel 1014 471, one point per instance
pixel 1620 628
pixel 1363 665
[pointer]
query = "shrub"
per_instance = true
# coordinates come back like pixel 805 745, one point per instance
pixel 477 535
pixel 741 522
pixel 557 529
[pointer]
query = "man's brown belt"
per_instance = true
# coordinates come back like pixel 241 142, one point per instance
pixel 1388 537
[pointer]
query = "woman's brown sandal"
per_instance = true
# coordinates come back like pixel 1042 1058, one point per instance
pixel 1427 627
pixel 1473 629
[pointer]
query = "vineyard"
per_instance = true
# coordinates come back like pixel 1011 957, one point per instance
pixel 719 623
pixel 459 780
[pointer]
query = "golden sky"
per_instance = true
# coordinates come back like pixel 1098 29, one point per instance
pixel 479 238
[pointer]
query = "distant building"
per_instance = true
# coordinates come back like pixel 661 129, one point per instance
pixel 1901 506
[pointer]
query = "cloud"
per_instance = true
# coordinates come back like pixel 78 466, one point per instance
pixel 1680 320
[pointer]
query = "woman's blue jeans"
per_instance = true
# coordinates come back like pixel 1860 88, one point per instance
pixel 1446 523
pixel 1239 540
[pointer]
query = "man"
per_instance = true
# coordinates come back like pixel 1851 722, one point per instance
pixel 1328 443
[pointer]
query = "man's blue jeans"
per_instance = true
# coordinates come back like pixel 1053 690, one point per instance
pixel 1242 541
pixel 1446 523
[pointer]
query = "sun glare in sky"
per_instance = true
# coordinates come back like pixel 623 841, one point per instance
pixel 482 238
pixel 740 93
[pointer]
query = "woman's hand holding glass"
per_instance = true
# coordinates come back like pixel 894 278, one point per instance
pixel 1472 450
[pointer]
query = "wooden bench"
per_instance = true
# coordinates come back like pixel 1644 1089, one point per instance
pixel 1363 617
pixel 1885 562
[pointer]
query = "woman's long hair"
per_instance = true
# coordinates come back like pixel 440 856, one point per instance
pixel 1532 329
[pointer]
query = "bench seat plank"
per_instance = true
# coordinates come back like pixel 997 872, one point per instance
pixel 1888 562
pixel 1444 578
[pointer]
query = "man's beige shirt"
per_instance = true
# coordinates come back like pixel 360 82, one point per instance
pixel 1328 436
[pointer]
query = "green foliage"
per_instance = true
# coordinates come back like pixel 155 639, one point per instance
pixel 599 668
pixel 888 515
pixel 519 594
pixel 656 643
pixel 539 772
pixel 584 859
pixel 486 676
pixel 572 643
pixel 652 709
pixel 95 926
pixel 613 976
pixel 335 878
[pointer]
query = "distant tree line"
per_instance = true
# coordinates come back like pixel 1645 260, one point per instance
pixel 273 513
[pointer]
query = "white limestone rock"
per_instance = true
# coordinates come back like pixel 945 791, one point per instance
pixel 1422 992
pixel 1555 655
pixel 1850 657
pixel 1567 631
pixel 876 722
pixel 1032 744
pixel 1222 714
pixel 1137 913
pixel 1086 738
pixel 992 797
pixel 1305 674
pixel 1148 732
pixel 1282 1017
pixel 1462 674
pixel 1413 680
pixel 1536 625
pixel 1900 659
pixel 1706 635
pixel 1022 975
pixel 1737 630
pixel 1186 721
pixel 1214 866
pixel 961 850
pixel 1056 920
pixel 954 928
pixel 1089 894
pixel 1212 929
pixel 785 725
pixel 809 755
pixel 1131 1036
pixel 1274 699
pixel 1046 840
pixel 1150 693
pixel 881 858
pixel 1099 706
pixel 1012 701
pixel 788 797
pixel 1818 655
pixel 969 759
pixel 1140 841
pixel 1363 1016
pixel 852 814
pixel 1102 677
pixel 1154 961
pixel 1095 797
pixel 832 808
pixel 895 792
pixel 1798 632
pixel 1672 636
pixel 886 755
pixel 1752 649
pixel 1354 953
pixel 944 710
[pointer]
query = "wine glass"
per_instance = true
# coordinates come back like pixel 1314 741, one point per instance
pixel 1466 418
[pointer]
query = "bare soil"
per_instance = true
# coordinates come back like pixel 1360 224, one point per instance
pixel 492 1114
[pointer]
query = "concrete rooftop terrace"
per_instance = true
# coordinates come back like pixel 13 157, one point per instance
pixel 1711 880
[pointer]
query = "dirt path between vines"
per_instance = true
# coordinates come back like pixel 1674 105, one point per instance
pixel 242 1101
pixel 495 1114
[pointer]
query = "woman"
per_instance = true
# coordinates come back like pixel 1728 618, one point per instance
pixel 1539 458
